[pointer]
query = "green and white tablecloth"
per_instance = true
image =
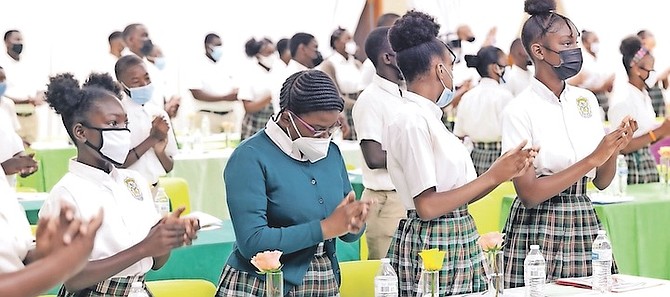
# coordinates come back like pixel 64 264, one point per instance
pixel 638 230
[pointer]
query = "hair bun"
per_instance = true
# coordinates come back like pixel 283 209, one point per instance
pixel 534 7
pixel 63 93
pixel 103 81
pixel 471 61
pixel 412 29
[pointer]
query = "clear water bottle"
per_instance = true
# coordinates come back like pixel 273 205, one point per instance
pixel 137 290
pixel 204 126
pixel 534 272
pixel 621 175
pixel 601 257
pixel 386 280
pixel 162 202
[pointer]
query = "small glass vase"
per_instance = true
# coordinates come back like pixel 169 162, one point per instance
pixel 493 266
pixel 664 172
pixel 274 284
pixel 430 283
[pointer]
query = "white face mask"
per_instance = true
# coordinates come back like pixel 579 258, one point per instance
pixel 314 149
pixel 266 61
pixel 595 47
pixel 115 144
pixel 652 78
pixel 351 47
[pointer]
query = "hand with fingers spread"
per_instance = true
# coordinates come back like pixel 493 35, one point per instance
pixel 513 163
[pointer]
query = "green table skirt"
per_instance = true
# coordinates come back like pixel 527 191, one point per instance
pixel 638 230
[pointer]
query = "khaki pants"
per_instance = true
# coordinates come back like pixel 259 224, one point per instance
pixel 383 221
pixel 28 131
pixel 216 121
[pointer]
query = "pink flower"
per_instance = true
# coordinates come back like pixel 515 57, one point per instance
pixel 492 241
pixel 267 261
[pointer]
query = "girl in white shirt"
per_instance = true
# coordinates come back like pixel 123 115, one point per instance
pixel 132 238
pixel 552 208
pixel 480 109
pixel 431 169
pixel 633 100
pixel 255 92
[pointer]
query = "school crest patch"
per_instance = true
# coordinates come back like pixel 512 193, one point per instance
pixel 131 184
pixel 584 107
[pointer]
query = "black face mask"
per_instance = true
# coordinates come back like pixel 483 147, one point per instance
pixel 471 39
pixel 454 44
pixel 17 48
pixel 147 47
pixel 319 58
pixel 571 62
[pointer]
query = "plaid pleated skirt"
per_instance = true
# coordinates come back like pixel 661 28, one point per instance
pixel 318 282
pixel 484 154
pixel 641 167
pixel 564 227
pixel 113 287
pixel 455 233
pixel 657 100
pixel 253 122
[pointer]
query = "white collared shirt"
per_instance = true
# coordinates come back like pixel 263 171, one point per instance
pixel 214 78
pixel 124 196
pixel 281 139
pixel 594 70
pixel 139 123
pixel 517 79
pixel 16 239
pixel 8 112
pixel 566 131
pixel 422 153
pixel 279 77
pixel 368 71
pixel 11 142
pixel 480 111
pixel 371 113
pixel 630 100
pixel 22 81
pixel 347 73
pixel 256 82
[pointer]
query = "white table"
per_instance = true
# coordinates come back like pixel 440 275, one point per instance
pixel 204 173
pixel 553 290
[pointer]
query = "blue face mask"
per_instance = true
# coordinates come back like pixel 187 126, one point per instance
pixel 217 52
pixel 3 88
pixel 447 94
pixel 141 95
pixel 159 62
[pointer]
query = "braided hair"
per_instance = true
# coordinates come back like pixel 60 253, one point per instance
pixel 543 19
pixel 309 90
pixel 71 101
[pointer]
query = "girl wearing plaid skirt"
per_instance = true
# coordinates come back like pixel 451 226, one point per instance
pixel 133 238
pixel 255 91
pixel 552 208
pixel 285 187
pixel 480 109
pixel 431 168
pixel 634 100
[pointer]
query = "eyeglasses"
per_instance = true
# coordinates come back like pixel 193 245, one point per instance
pixel 320 132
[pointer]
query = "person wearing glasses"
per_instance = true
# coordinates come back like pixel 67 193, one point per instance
pixel 288 190
pixel 484 101
pixel 432 169
pixel 634 100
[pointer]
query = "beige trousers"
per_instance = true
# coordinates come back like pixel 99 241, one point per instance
pixel 216 121
pixel 382 221
pixel 29 124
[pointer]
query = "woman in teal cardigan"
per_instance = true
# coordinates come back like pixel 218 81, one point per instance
pixel 288 190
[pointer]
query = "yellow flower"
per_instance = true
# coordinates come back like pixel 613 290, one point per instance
pixel 432 259
pixel 492 241
pixel 664 151
pixel 267 261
